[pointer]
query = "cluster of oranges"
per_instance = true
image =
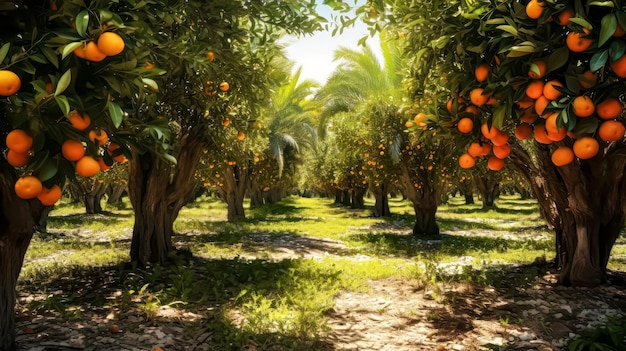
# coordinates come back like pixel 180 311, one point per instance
pixel 108 44
pixel 20 143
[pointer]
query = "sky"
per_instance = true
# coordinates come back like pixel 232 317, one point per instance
pixel 315 52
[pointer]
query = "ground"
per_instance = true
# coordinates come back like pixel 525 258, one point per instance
pixel 523 310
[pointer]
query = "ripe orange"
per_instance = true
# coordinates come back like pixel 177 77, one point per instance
pixel 552 131
pixel 528 117
pixel 588 79
pixel 78 121
pixel 224 86
pixel 157 349
pixel 473 110
pixel 409 124
pixel 611 131
pixel 449 105
pixel 583 106
pixel 19 141
pixel 564 17
pixel 475 149
pixel 534 9
pixel 486 149
pixel 98 136
pixel 28 187
pixel 487 132
pixel 535 89
pixel 49 88
pixel 72 150
pixel 49 197
pixel 103 165
pixel 226 122
pixel 523 131
pixel 610 108
pixel 502 151
pixel 87 167
pixel 540 134
pixel 149 65
pixel 619 31
pixel 501 138
pixel 477 97
pixel 465 125
pixel 466 161
pixel 110 43
pixel 586 148
pixel 541 104
pixel 241 136
pixel 419 119
pixel 210 55
pixel 619 66
pixel 562 156
pixel 578 42
pixel 482 72
pixel 10 83
pixel 90 52
pixel 112 150
pixel 80 52
pixel 549 90
pixel 539 66
pixel 495 164
pixel 17 159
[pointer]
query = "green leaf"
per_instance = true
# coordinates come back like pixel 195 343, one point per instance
pixel 617 49
pixel 51 55
pixel 170 158
pixel 499 114
pixel 150 83
pixel 581 22
pixel 585 126
pixel 63 104
pixel 607 28
pixel 69 48
pixel 598 60
pixel 48 169
pixel 601 3
pixel 82 22
pixel 508 29
pixel 557 59
pixel 4 50
pixel 63 83
pixel 117 115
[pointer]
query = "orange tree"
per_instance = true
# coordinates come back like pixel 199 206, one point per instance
pixel 60 114
pixel 216 54
pixel 552 74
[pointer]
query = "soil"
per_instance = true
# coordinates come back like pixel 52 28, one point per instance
pixel 393 315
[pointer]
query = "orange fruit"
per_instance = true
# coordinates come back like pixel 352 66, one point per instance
pixel 226 122
pixel 10 83
pixel 564 17
pixel 539 66
pixel 486 149
pixel 535 89
pixel 501 138
pixel 619 31
pixel 87 167
pixel 549 90
pixel 588 79
pixel 528 117
pixel 49 197
pixel 419 119
pixel 241 136
pixel 112 150
pixel 72 150
pixel 611 131
pixel 473 110
pixel 502 151
pixel 495 164
pixel 553 132
pixel 78 121
pixel 610 108
pixel 465 125
pixel 17 159
pixel 80 52
pixel 525 102
pixel 28 187
pixel 157 349
pixel 586 148
pixel 449 105
pixel 578 42
pixel 475 149
pixel 534 9
pixel 49 88
pixel 477 97
pixel 98 136
pixel 224 86
pixel 409 124
pixel 487 132
pixel 540 134
pixel 114 329
pixel 19 141
pixel 482 72
pixel 523 131
pixel 541 104
pixel 466 161
pixel 110 43
pixel 619 66
pixel 90 52
pixel 103 165
pixel 583 106
pixel 210 55
pixel 562 156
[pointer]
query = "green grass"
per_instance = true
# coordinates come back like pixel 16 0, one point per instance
pixel 249 295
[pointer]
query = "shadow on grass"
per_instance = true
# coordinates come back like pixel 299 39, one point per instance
pixel 210 288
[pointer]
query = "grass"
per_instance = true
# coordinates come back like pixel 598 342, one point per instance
pixel 272 278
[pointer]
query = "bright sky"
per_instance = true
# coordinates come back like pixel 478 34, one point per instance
pixel 315 53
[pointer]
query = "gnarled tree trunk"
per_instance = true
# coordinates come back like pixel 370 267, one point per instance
pixel 584 203
pixel 489 188
pixel 233 190
pixel 158 190
pixel 18 219
pixel 381 205
pixel 357 196
pixel 425 202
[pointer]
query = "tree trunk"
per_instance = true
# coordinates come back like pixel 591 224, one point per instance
pixel 425 202
pixel 357 198
pixel 234 190
pixel 157 191
pixel 425 223
pixel 584 203
pixel 17 224
pixel 489 188
pixel 338 196
pixel 381 206
pixel 255 193
pixel 469 199
pixel 115 192
pixel 346 198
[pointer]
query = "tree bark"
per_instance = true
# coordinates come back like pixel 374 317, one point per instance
pixel 115 192
pixel 357 197
pixel 381 205
pixel 234 190
pixel 18 219
pixel 158 190
pixel 489 188
pixel 584 203
pixel 425 202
